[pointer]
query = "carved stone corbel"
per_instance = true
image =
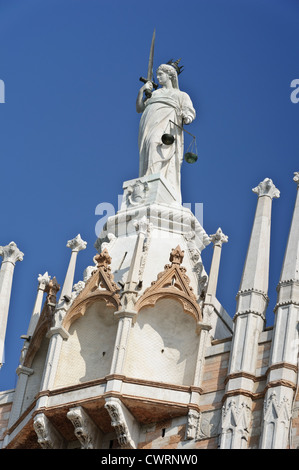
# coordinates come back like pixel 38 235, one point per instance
pixel 47 436
pixel 123 423
pixel 86 431
pixel 192 424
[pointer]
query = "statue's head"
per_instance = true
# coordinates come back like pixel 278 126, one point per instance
pixel 171 72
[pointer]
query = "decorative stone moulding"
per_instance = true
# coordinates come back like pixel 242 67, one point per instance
pixel 100 286
pixel 172 282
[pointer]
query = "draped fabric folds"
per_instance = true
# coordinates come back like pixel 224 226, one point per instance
pixel 165 105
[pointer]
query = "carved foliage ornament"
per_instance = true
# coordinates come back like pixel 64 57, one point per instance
pixel 118 422
pixel 267 188
pixel 11 253
pixel 85 429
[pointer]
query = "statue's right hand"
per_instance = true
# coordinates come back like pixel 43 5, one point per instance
pixel 147 86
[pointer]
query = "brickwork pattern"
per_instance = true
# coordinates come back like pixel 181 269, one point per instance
pixel 4 416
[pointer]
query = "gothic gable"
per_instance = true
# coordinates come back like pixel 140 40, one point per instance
pixel 100 286
pixel 173 283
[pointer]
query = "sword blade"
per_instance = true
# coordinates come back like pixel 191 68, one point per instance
pixel 150 73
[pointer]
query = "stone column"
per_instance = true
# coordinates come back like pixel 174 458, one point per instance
pixel 283 365
pixel 204 336
pixel 43 281
pixel 11 254
pixel 218 239
pixel 22 371
pixel 76 245
pixel 252 301
pixel 56 335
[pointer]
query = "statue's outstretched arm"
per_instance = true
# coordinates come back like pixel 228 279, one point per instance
pixel 140 107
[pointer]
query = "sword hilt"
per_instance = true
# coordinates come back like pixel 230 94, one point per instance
pixel 147 92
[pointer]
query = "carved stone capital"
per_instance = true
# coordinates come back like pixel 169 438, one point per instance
pixel 267 188
pixel 77 244
pixel 296 178
pixel 219 238
pixel 43 280
pixel 11 253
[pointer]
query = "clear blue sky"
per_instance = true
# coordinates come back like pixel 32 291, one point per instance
pixel 68 128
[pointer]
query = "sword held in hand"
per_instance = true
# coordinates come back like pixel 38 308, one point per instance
pixel 150 74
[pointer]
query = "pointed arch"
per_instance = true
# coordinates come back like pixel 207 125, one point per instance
pixel 173 283
pixel 100 286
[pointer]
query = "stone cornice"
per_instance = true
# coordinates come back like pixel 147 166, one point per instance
pixel 282 365
pixel 281 383
pixel 253 291
pixel 249 311
pixel 287 282
pixel 246 375
pixel 285 303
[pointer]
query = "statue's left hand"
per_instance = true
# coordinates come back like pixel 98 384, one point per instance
pixel 187 120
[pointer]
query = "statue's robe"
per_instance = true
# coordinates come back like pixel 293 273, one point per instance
pixel 156 157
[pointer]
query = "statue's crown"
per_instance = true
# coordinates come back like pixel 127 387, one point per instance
pixel 175 65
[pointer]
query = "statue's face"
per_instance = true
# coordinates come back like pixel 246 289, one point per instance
pixel 163 77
